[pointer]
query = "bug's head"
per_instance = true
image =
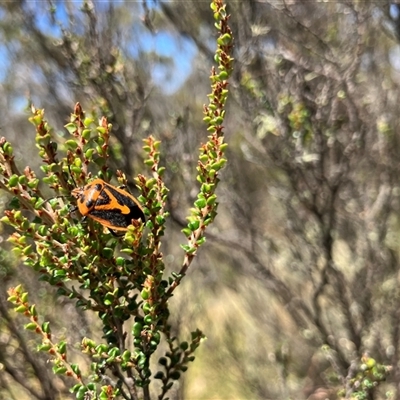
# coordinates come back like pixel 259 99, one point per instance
pixel 77 193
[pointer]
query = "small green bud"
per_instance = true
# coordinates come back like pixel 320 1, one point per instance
pixel 223 75
pixel 7 149
pixel 13 181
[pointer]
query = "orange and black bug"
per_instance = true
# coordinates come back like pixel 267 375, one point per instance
pixel 111 206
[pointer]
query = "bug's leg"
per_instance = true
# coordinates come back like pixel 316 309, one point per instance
pixel 73 209
pixel 51 198
pixel 114 233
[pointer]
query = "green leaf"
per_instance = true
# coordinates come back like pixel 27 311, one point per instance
pixel 44 347
pixel 201 241
pixel 81 394
pixel 194 225
pixel 75 388
pixel 31 326
pixel 186 231
pixel 159 375
pixel 191 250
pixel 88 121
pixel 21 309
pixel 145 294
pixel 71 128
pixel 59 370
pixel 107 253
pixel 225 38
pixel 71 144
pixel 59 273
pixel 13 181
pixel 86 134
pixel 104 394
pixel 223 75
pixel 126 356
pixel 175 375
pixel 161 171
pixel 185 247
pixel 120 261
pixel 108 299
pixel 75 368
pixel 200 203
pixel 62 347
pixel 184 346
pixel 46 327
pixel 211 200
pixel 23 180
pixel 89 153
pixel 14 203
pixel 32 309
pixel 150 183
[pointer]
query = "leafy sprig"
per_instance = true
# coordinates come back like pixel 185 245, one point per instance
pixel 121 278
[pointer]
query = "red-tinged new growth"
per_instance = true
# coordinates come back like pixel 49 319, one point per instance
pixel 211 158
pixel 19 299
pixel 119 279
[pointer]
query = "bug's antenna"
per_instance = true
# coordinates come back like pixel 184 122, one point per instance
pixel 70 174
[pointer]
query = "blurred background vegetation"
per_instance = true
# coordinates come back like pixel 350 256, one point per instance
pixel 300 275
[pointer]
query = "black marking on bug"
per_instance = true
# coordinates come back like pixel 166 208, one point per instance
pixel 110 206
pixel 113 217
pixel 103 199
pixel 135 211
